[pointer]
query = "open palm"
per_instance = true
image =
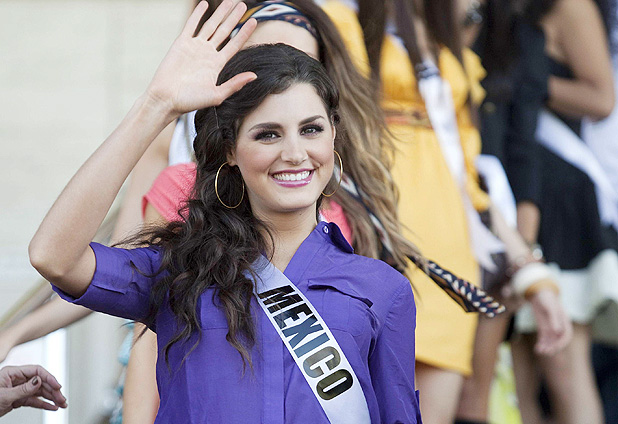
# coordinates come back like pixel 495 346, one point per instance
pixel 186 79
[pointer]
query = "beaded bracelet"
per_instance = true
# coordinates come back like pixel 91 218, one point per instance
pixel 531 274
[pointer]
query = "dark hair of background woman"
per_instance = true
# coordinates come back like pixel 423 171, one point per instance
pixel 214 246
pixel 438 15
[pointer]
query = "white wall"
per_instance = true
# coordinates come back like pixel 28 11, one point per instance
pixel 69 70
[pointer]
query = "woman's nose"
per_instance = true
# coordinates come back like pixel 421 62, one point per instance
pixel 293 150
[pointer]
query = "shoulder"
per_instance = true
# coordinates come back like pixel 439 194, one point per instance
pixel 175 178
pixel 182 173
pixel 359 276
pixel 170 189
pixel 572 12
pixel 371 279
pixel 343 15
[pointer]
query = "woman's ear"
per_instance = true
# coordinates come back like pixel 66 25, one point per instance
pixel 231 159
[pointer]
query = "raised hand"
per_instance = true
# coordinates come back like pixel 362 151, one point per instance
pixel 186 79
pixel 26 386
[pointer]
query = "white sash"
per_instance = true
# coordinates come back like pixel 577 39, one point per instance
pixel 312 345
pixel 492 171
pixel 438 101
pixel 602 137
pixel 556 136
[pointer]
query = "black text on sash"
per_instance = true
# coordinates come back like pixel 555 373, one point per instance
pixel 307 338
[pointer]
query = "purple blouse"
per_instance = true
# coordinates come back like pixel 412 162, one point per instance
pixel 368 306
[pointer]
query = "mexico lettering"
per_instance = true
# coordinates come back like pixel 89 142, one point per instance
pixel 303 330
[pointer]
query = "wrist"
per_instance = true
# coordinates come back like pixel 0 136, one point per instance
pixel 150 102
pixel 529 275
pixel 9 338
pixel 534 254
pixel 539 286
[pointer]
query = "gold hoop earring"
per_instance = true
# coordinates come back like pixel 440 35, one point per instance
pixel 340 176
pixel 217 190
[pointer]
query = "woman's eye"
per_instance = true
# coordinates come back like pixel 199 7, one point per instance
pixel 312 129
pixel 266 135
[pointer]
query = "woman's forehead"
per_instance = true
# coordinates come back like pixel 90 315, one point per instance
pixel 292 106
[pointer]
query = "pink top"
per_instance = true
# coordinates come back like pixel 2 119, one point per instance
pixel 170 190
pixel 174 184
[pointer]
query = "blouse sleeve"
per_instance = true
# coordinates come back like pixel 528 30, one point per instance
pixel 121 283
pixel 391 363
pixel 170 190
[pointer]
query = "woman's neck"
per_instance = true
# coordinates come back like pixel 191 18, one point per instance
pixel 289 230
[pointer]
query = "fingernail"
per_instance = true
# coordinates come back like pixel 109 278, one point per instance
pixel 35 381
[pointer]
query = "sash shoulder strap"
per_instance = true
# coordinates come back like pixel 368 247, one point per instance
pixel 312 345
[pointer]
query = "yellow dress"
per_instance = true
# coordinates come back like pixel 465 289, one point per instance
pixel 430 206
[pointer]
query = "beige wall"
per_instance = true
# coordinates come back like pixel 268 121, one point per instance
pixel 69 70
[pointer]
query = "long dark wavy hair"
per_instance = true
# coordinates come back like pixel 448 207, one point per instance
pixel 213 246
pixel 363 141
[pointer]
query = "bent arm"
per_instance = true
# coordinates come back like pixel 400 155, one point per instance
pixel 60 248
pixel 582 39
pixel 184 81
pixel 50 317
pixel 554 328
pixel 56 313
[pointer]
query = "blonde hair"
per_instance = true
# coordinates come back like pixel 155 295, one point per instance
pixel 365 146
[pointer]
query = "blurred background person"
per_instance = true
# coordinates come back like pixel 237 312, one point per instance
pixel 578 215
pixel 600 137
pixel 438 185
pixel 511 48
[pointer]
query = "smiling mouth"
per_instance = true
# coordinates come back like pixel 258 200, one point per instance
pixel 293 179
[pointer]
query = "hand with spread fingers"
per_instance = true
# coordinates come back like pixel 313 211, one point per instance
pixel 29 385
pixel 186 78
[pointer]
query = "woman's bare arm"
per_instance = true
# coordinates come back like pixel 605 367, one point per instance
pixel 528 221
pixel 154 161
pixel 184 81
pixel 56 313
pixel 580 42
pixel 46 319
pixel 140 397
pixel 554 327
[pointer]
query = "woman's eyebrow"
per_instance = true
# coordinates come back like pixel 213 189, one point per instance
pixel 311 119
pixel 276 126
pixel 266 126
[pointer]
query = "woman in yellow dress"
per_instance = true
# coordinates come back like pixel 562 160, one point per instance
pixel 438 194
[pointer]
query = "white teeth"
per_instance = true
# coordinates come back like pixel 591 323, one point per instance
pixel 292 177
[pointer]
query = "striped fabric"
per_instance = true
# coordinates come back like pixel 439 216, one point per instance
pixel 277 11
